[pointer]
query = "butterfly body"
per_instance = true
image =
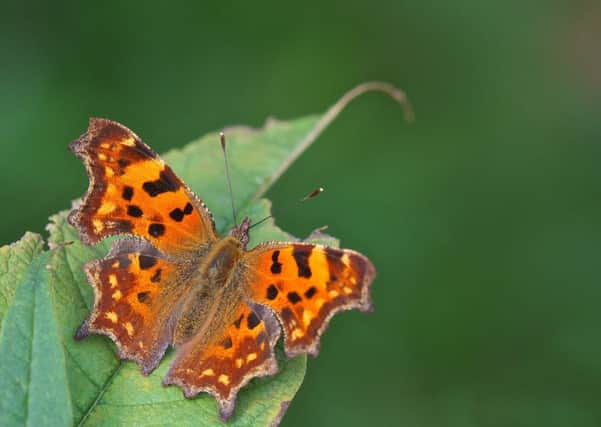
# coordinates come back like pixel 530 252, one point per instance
pixel 218 288
pixel 173 281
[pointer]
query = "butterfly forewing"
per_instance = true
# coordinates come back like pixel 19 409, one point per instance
pixel 306 285
pixel 132 191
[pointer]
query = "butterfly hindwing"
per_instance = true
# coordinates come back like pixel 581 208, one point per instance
pixel 306 285
pixel 132 191
pixel 136 291
pixel 235 354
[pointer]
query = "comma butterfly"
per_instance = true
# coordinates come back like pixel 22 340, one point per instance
pixel 175 282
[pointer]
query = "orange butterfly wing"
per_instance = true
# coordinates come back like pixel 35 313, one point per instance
pixel 306 285
pixel 136 292
pixel 132 191
pixel 233 356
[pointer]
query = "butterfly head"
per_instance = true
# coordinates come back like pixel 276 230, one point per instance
pixel 240 231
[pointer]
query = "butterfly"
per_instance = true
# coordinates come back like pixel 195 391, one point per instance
pixel 173 281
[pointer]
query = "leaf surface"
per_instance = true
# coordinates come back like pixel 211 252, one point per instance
pixel 14 260
pixel 33 380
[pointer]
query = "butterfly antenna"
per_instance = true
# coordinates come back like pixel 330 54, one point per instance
pixel 227 174
pixel 310 195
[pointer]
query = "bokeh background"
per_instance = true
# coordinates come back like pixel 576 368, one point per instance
pixel 483 217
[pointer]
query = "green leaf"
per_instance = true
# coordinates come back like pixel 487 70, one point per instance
pixel 33 383
pixel 104 391
pixel 14 260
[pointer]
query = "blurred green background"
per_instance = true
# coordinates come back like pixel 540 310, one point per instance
pixel 482 217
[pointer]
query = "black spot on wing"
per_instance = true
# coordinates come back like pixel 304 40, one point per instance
pixel 177 214
pixel 156 229
pixel 310 292
pixel 253 320
pixel 128 192
pixel 156 277
pixel 276 266
pixel 301 254
pixel 293 297
pixel 272 292
pixel 123 163
pixel 135 211
pixel 237 322
pixel 146 262
pixel 142 296
pixel 167 182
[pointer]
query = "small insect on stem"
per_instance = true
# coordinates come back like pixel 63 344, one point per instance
pixel 309 195
pixel 227 174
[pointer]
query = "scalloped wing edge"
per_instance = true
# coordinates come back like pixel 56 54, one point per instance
pixel 363 304
pixel 118 247
pixel 269 368
pixel 78 148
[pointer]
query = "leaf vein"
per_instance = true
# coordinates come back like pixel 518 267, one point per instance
pixel 76 363
pixel 103 390
pixel 27 394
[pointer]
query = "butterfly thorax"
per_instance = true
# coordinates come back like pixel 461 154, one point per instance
pixel 216 291
pixel 220 261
